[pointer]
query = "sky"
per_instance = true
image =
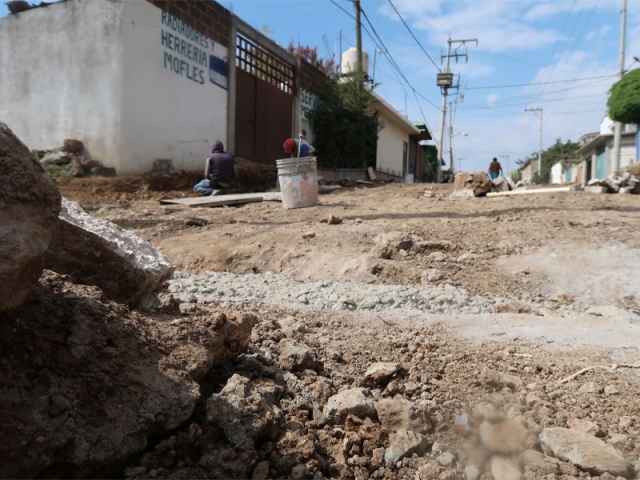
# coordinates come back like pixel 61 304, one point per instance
pixel 558 55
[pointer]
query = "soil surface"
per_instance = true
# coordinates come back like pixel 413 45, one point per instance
pixel 539 286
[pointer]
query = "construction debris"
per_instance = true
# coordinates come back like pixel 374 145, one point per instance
pixel 93 251
pixel 625 183
pixel 478 182
pixel 29 207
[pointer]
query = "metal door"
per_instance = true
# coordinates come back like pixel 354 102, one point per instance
pixel 264 103
pixel 601 163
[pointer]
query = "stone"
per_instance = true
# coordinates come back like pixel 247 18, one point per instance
pixel 383 251
pixel 431 275
pixel 96 252
pixel 309 235
pixel 380 373
pixel 618 439
pixel 334 220
pixel 588 387
pixel 584 450
pixel 498 380
pixel 478 182
pixel 585 426
pixel 318 418
pixel 499 185
pixel 260 471
pixel 55 158
pixel 539 463
pixel 160 302
pixel 29 208
pixel 471 472
pixel 611 184
pixel 404 444
pixel 625 190
pixel 503 469
pixel 467 257
pixel 72 146
pixel 576 187
pixel 401 414
pixel 247 410
pixel 505 437
pixel 355 401
pixel 486 411
pixel 75 166
pixel 296 357
pixel 405 242
pixel 595 189
pixel 446 459
pixel 611 390
pixel 90 163
pixel 593 182
pixel 437 256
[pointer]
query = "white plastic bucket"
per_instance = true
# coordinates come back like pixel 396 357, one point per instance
pixel 298 182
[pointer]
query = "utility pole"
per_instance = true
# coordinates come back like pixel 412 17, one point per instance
pixel 445 81
pixel 617 130
pixel 450 138
pixel 356 5
pixel 507 157
pixel 536 111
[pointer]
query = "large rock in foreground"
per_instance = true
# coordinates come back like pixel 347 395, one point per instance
pixel 478 182
pixel 93 251
pixel 29 207
pixel 85 382
pixel 584 450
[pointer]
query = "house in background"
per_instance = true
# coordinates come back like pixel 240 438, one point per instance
pixel 398 153
pixel 596 151
pixel 529 170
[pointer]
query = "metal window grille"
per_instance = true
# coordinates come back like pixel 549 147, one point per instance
pixel 258 62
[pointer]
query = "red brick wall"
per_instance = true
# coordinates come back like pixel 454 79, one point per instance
pixel 208 17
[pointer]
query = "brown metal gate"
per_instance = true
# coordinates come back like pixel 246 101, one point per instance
pixel 264 103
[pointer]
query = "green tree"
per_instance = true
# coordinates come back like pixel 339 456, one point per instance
pixel 559 151
pixel 346 129
pixel 624 99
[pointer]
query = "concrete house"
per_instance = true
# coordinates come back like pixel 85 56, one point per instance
pixel 596 151
pixel 143 80
pixel 529 170
pixel 398 152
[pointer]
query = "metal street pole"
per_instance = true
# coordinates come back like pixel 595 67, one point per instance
pixel 617 130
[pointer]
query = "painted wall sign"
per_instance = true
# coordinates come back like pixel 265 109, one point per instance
pixel 308 103
pixel 190 54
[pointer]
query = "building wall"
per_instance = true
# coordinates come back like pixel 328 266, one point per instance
pixel 174 104
pixel 389 151
pixel 62 75
pixel 528 171
pixel 556 174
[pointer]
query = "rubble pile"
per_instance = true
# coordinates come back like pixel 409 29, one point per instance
pixel 478 184
pixel 71 159
pixel 627 182
pixel 85 380
pixel 295 406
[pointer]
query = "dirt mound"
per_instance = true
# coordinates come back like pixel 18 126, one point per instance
pixel 85 381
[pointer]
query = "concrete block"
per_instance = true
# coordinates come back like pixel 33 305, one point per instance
pixel 595 189
pixel 593 182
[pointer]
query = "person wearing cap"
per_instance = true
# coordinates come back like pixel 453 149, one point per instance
pixel 298 147
pixel 220 171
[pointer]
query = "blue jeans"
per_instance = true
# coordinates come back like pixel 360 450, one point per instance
pixel 206 187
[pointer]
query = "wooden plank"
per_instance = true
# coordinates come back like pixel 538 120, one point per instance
pixel 372 174
pixel 528 192
pixel 216 200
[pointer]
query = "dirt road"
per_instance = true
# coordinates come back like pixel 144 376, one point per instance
pixel 549 278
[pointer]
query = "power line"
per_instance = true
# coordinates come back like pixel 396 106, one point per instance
pixel 540 83
pixel 414 37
